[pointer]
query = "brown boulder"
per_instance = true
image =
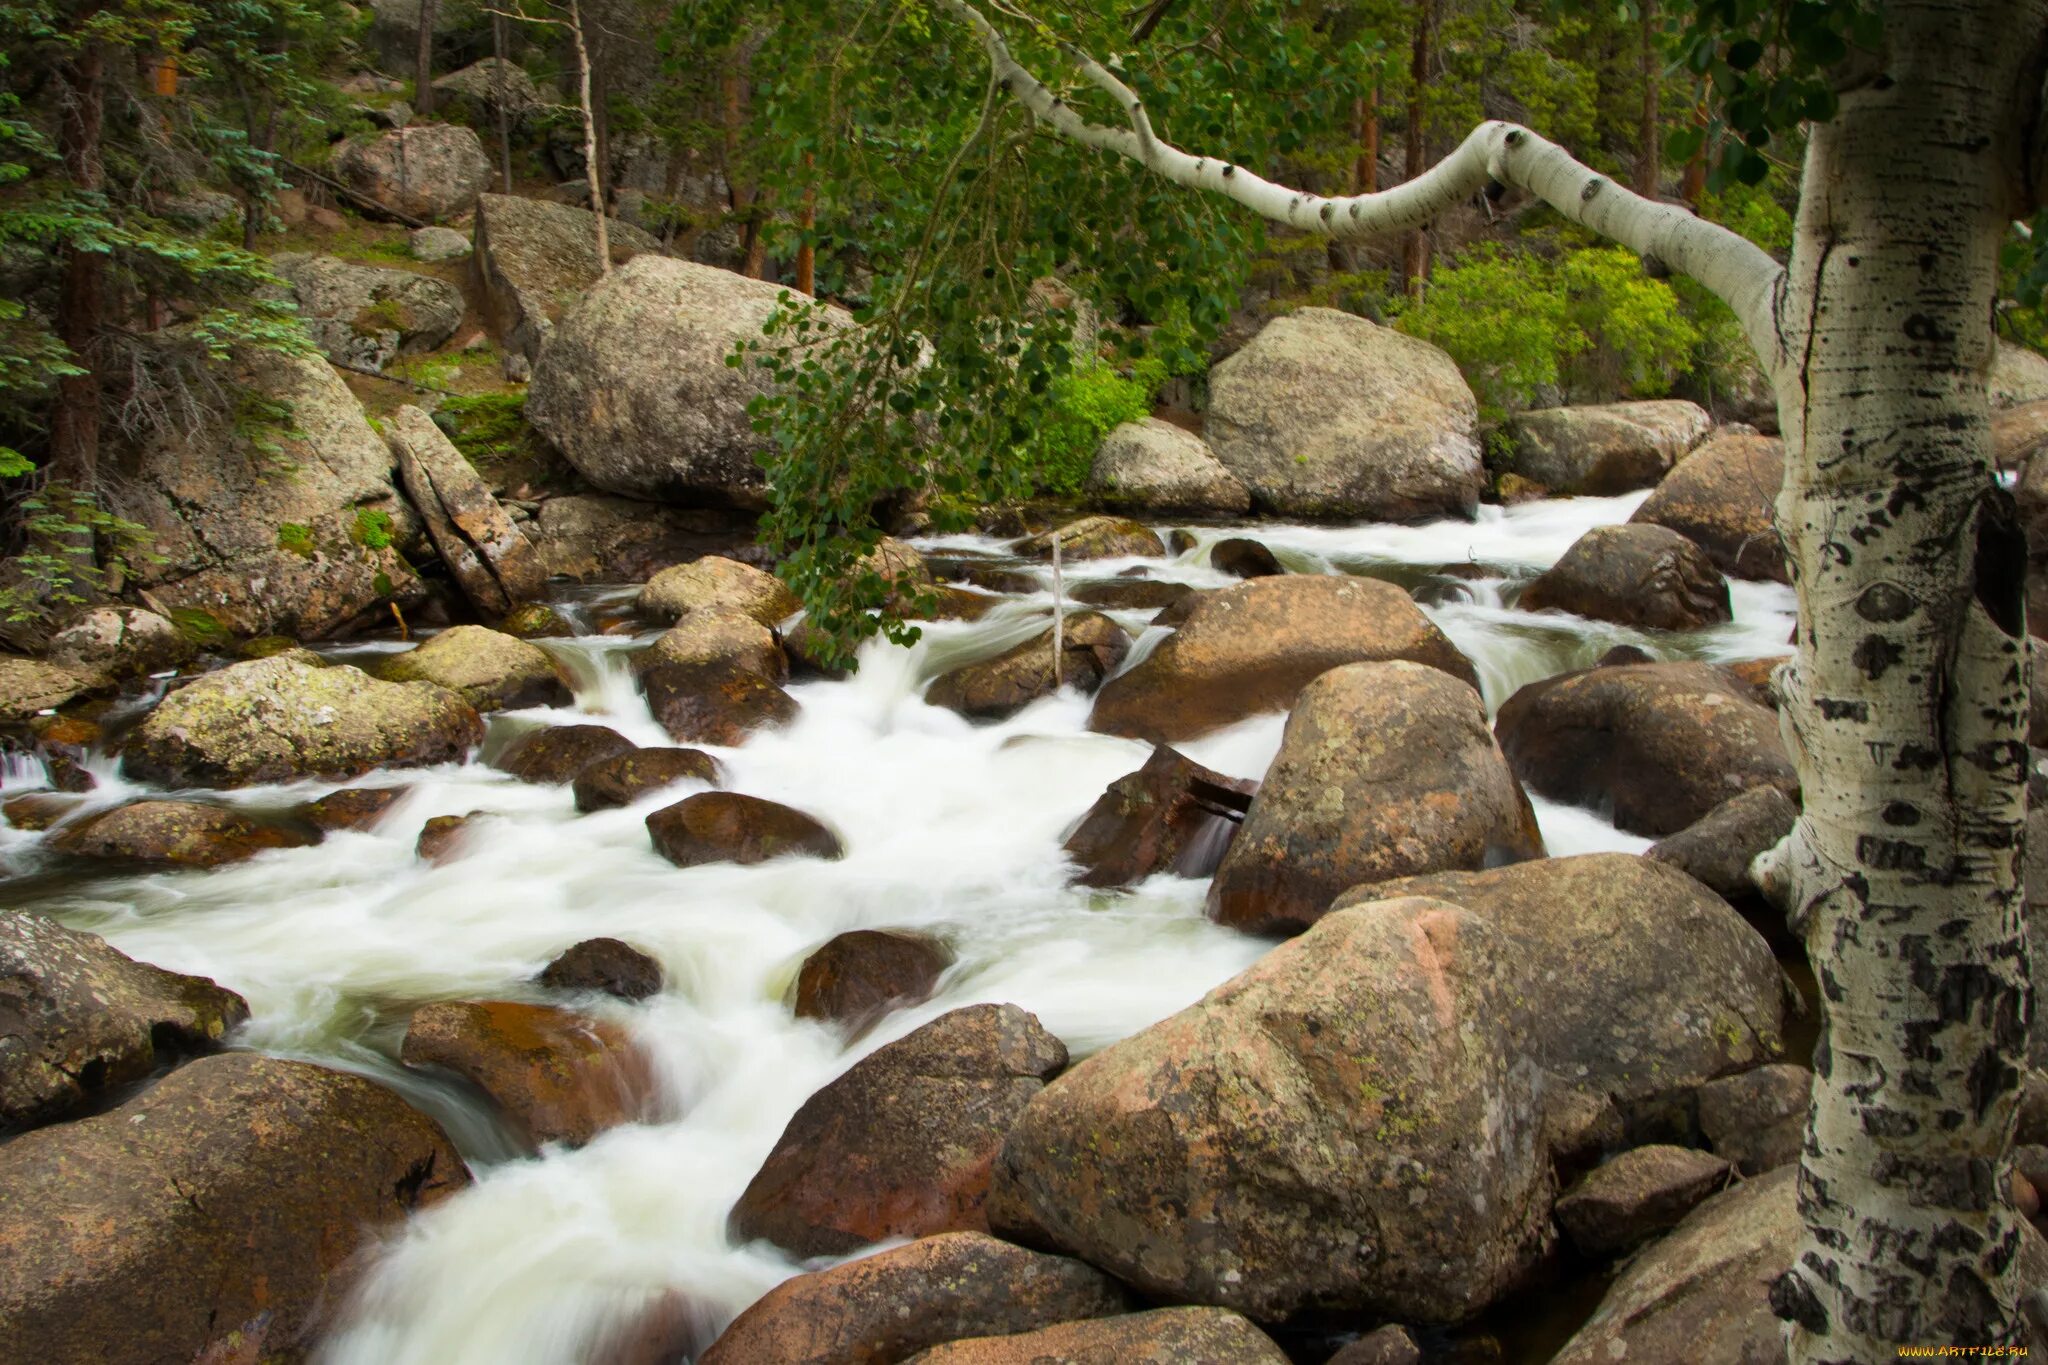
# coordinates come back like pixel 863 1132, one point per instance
pixel 1637 1195
pixel 216 1212
pixel 1389 1345
pixel 1638 575
pixel 1385 770
pixel 715 676
pixel 1718 848
pixel 1131 594
pixel 1607 449
pixel 559 1076
pixel 1757 1118
pixel 859 976
pixel 39 810
pixel 175 834
pixel 78 1017
pixel 350 808
pixel 487 554
pixel 728 827
pixel 1243 558
pixel 902 1144
pixel 1172 815
pixel 993 688
pixel 604 964
pixel 431 171
pixel 1095 538
pixel 625 778
pixel 560 753
pixel 887 1307
pixel 717 582
pixel 442 838
pixel 1252 648
pixel 491 670
pixel 1164 1336
pixel 1723 497
pixel 1661 745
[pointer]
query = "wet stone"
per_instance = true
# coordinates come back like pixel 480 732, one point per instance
pixel 604 964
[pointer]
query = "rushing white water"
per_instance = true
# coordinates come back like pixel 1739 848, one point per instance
pixel 949 827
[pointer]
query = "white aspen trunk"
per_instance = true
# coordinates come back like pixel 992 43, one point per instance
pixel 593 172
pixel 1906 705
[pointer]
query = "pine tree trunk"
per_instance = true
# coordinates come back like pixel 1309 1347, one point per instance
pixel 1366 175
pixel 423 63
pixel 1648 160
pixel 1415 253
pixel 500 50
pixel 81 299
pixel 1906 704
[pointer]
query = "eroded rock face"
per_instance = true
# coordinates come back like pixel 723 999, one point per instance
pixel 1636 574
pixel 561 753
pixel 714 581
pixel 624 779
pixel 1172 815
pixel 1659 744
pixel 431 171
pixel 1164 1336
pixel 367 316
pixel 215 1212
pixel 169 834
pixel 887 1307
pixel 273 719
pixel 729 827
pixel 848 1171
pixel 590 536
pixel 1385 770
pixel 533 258
pixel 1723 498
pixel 1253 648
pixel 1607 449
pixel 1343 1125
pixel 1154 466
pixel 860 975
pixel 487 554
pixel 491 671
pixel 558 1075
pixel 1328 415
pixel 992 689
pixel 1095 538
pixel 78 1017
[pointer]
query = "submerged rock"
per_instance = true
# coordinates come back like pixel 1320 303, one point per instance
pixel 350 808
pixel 1132 594
pixel 1172 815
pixel 728 827
pixel 558 1075
pixel 1164 1336
pixel 860 975
pixel 1638 575
pixel 995 688
pixel 492 671
pixel 605 964
pixel 715 677
pixel 175 834
pixel 443 838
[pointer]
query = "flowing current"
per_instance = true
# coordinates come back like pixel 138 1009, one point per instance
pixel 950 827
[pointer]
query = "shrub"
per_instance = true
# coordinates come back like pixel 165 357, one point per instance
pixel 1088 404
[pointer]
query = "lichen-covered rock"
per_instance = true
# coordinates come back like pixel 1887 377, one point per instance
pixel 1723 497
pixel 558 1075
pixel 714 581
pixel 492 671
pixel 1636 574
pixel 82 1018
pixel 1095 538
pixel 534 259
pixel 209 1218
pixel 1637 1195
pixel 1091 647
pixel 604 964
pixel 175 834
pixel 537 621
pixel 625 778
pixel 561 753
pixel 29 686
pixel 2018 375
pixel 433 245
pixel 475 93
pixel 366 315
pixel 1325 414
pixel 1386 770
pixel 850 1170
pixel 1164 1336
pixel 860 975
pixel 1610 448
pixel 1344 1125
pixel 270 720
pixel 1172 815
pixel 431 171
pixel 487 554
pixel 1154 466
pixel 885 1308
pixel 1253 648
pixel 728 827
pixel 350 808
pixel 120 642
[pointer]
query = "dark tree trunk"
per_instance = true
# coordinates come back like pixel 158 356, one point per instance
pixel 81 299
pixel 500 49
pixel 1648 162
pixel 423 77
pixel 1415 255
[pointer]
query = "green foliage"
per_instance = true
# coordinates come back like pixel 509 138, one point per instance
pixel 1638 337
pixel 49 572
pixel 372 529
pixel 296 538
pixel 488 428
pixel 1087 404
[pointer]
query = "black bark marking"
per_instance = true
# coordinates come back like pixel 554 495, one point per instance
pixel 1916 756
pixel 1890 855
pixel 1920 327
pixel 1793 1300
pixel 1880 1121
pixel 1901 814
pixel 1832 708
pixel 1874 655
pixel 2000 569
pixel 1884 603
pixel 1992 1076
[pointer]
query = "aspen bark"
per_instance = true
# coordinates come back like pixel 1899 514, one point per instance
pixel 593 173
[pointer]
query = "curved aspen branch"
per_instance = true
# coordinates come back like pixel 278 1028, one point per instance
pixel 1741 274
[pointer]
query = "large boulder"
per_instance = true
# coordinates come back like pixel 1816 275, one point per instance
pixel 634 390
pixel 174 834
pixel 120 642
pixel 1154 466
pixel 1386 770
pixel 1723 497
pixel 715 677
pixel 428 172
pixel 595 537
pixel 288 529
pixel 862 974
pixel 491 671
pixel 2018 376
pixel 534 258
pixel 1635 574
pixel 1640 1193
pixel 487 554
pixel 1164 1336
pixel 365 315
pixel 210 1218
pixel 1342 1126
pixel 557 1075
pixel 715 581
pixel 561 753
pixel 902 1144
pixel 728 827
pixel 31 686
pixel 270 720
pixel 474 94
pixel 1171 815
pixel 1252 648
pixel 1091 648
pixel 1658 744
pixel 1328 415
pixel 81 1018
pixel 1623 978
pixel 1607 449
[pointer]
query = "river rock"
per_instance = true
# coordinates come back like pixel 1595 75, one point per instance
pixel 2018 375
pixel 365 315
pixel 533 258
pixel 1325 414
pixel 1723 497
pixel 210 1218
pixel 537 621
pixel 2019 434
pixel 1132 594
pixel 492 671
pixel 1639 1194
pixel 29 686
pixel 1154 466
pixel 561 753
pixel 1172 815
pixel 558 1075
pixel 1095 538
pixel 37 811
pixel 860 975
pixel 850 1170
pixel 1757 1118
pixel 714 581
pixel 604 964
pixel 1661 744
pixel 1635 574
pixel 1718 848
pixel 431 171
pixel 1385 770
pixel 442 838
pixel 1389 1345
pixel 715 677
pixel 625 778
pixel 170 834
pixel 885 1308
pixel 1625 978
pixel 1341 1126
pixel 487 554
pixel 350 808
pixel 728 827
pixel 1252 648
pixel 634 390
pixel 270 720
pixel 998 687
pixel 120 642
pixel 1164 1336
pixel 82 1018
pixel 1606 449
pixel 1242 558
pixel 989 577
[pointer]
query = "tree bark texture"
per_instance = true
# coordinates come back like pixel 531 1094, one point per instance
pixel 502 115
pixel 593 172
pixel 1415 252
pixel 81 297
pixel 1648 158
pixel 423 62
